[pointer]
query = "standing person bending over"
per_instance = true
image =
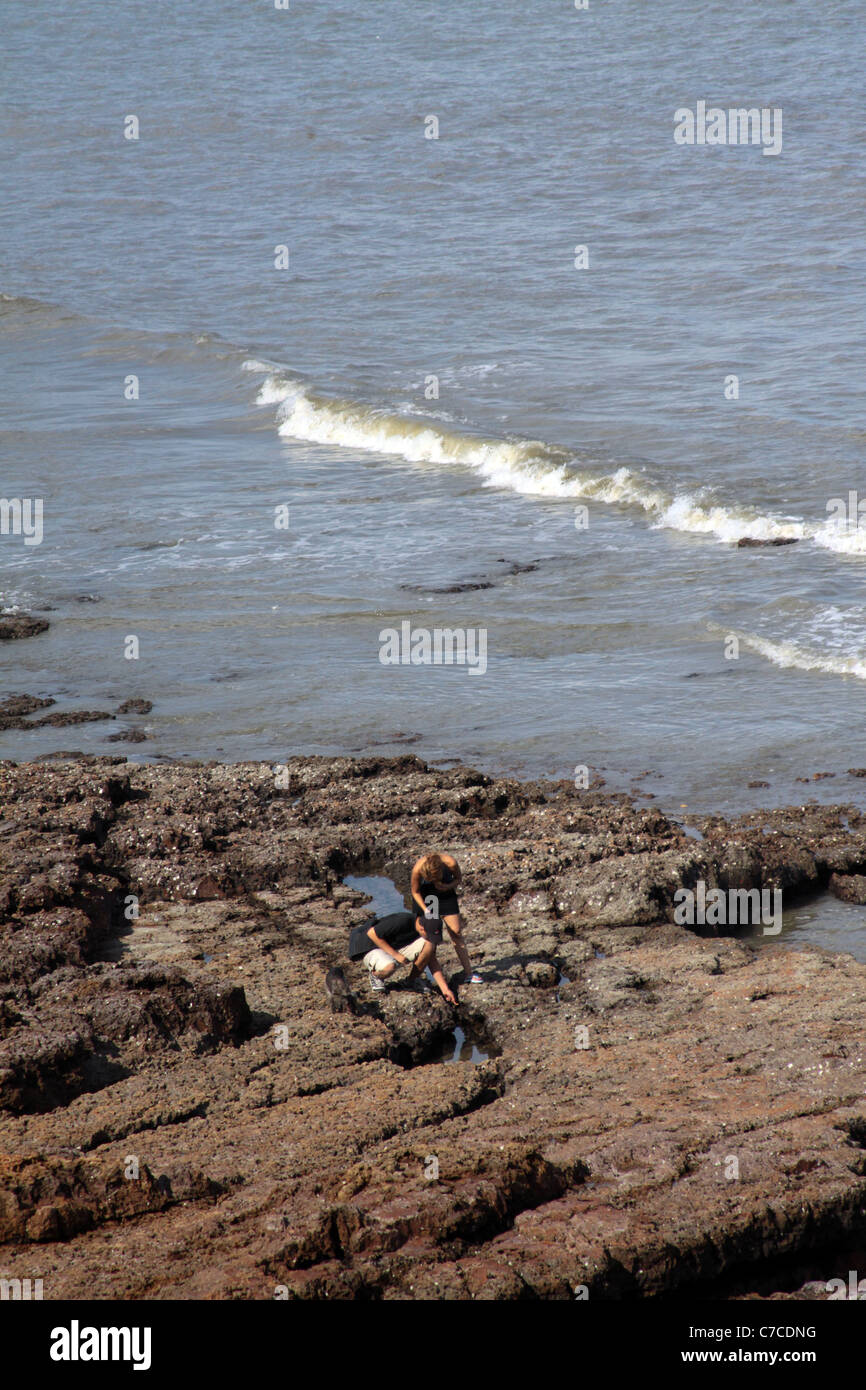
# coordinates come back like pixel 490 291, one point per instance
pixel 438 876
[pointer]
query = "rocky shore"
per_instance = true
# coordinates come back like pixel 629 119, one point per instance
pixel 183 1114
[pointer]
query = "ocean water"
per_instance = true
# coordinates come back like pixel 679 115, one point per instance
pixel 634 636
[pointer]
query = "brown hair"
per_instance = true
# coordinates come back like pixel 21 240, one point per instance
pixel 431 867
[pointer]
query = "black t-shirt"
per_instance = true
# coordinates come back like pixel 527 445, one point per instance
pixel 398 929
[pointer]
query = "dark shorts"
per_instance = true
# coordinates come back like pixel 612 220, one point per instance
pixel 448 904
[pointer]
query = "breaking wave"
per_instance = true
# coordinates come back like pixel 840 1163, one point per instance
pixel 794 654
pixel 524 465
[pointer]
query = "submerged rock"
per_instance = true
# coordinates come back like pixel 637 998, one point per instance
pixel 14 626
pixel 747 542
pixel 22 704
pixel 65 718
pixel 135 707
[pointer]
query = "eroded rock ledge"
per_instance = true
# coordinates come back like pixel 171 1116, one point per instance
pixel 181 1115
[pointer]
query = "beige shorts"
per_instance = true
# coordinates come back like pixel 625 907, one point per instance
pixel 377 959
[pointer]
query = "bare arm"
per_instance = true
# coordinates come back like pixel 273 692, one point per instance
pixel 439 976
pixel 416 887
pixel 451 863
pixel 383 946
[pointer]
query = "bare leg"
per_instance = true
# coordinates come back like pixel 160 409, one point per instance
pixel 455 931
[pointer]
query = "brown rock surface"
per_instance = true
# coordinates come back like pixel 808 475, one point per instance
pixel 851 888
pixel 165 937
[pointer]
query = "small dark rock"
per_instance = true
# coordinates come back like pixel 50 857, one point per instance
pixel 207 889
pixel 135 707
pixel 23 704
pixel 77 756
pixel 342 999
pixel 749 542
pixel 464 587
pixel 17 625
pixel 515 567
pixel 67 717
pixel 13 722
pixel 850 888
pixel 541 974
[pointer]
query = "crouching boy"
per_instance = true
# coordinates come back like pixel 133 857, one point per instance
pixel 399 939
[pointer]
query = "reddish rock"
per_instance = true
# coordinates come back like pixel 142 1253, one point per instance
pixel 207 889
pixel 851 888
pixel 678 1115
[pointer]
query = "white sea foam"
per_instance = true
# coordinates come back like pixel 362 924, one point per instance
pixel 845 539
pixel 409 409
pixel 732 524
pixel 526 466
pixel 275 391
pixel 351 425
pixel 794 653
pixel 255 364
pixel 830 639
